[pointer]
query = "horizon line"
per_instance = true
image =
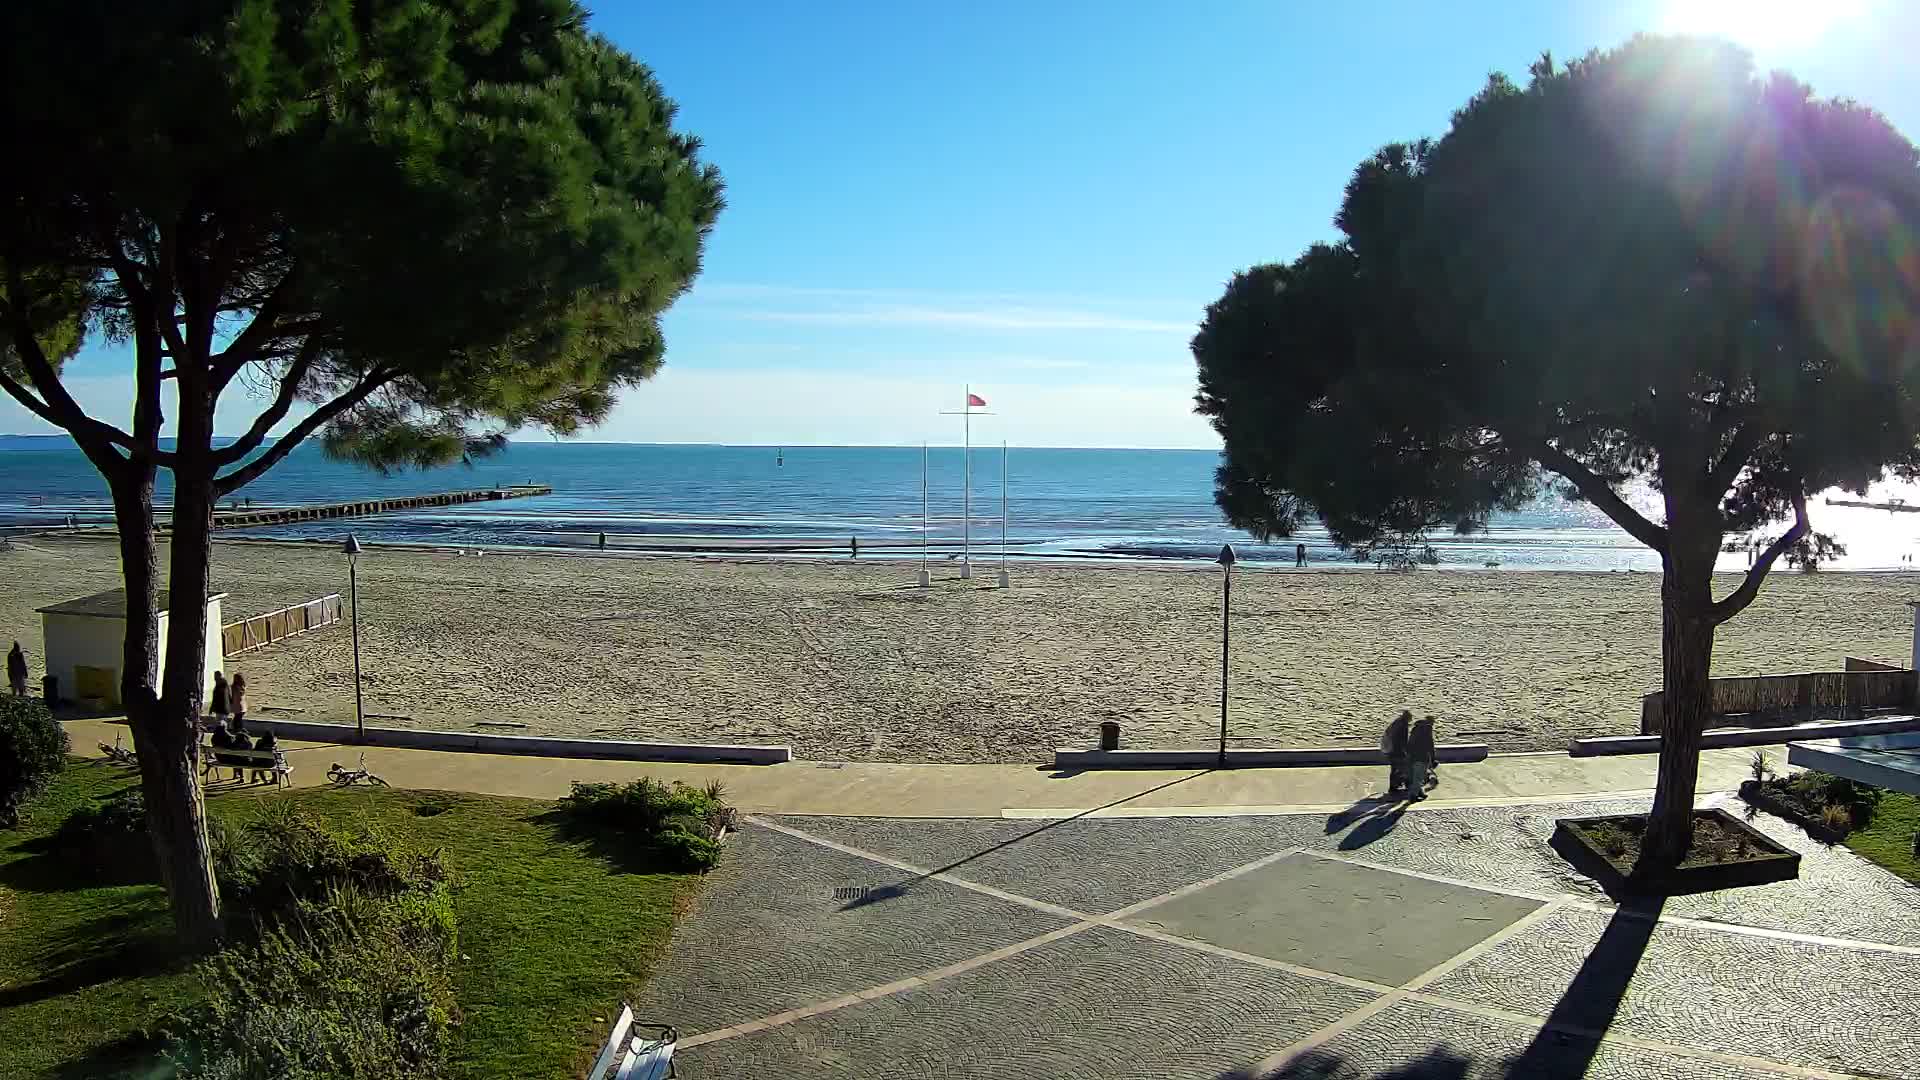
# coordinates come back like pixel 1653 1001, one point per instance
pixel 731 445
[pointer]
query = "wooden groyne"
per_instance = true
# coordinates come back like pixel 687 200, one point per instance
pixel 1894 507
pixel 245 519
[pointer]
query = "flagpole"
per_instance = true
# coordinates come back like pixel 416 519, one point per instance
pixel 926 509
pixel 966 475
pixel 1003 514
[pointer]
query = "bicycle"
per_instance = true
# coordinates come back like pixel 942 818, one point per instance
pixel 340 776
pixel 118 754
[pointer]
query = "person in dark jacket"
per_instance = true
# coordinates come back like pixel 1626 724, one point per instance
pixel 1394 743
pixel 218 706
pixel 17 671
pixel 1422 758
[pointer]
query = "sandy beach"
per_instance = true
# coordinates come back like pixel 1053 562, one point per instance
pixel 849 661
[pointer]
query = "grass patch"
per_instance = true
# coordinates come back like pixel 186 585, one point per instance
pixel 1888 838
pixel 552 935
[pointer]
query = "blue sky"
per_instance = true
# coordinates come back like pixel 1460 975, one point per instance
pixel 1040 199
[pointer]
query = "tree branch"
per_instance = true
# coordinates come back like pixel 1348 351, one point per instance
pixel 1736 601
pixel 246 347
pixel 1599 493
pixel 274 413
pixel 1745 441
pixel 95 437
pixel 314 421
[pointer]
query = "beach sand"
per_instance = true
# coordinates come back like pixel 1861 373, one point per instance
pixel 849 661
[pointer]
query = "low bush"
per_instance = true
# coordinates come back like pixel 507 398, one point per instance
pixel 352 985
pixel 1835 802
pixel 1612 840
pixel 283 858
pixel 108 840
pixel 678 824
pixel 348 970
pixel 33 750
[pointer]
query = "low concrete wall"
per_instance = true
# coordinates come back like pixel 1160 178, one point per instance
pixel 1719 738
pixel 528 745
pixel 1065 758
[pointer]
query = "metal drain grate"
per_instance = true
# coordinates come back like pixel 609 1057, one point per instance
pixel 852 892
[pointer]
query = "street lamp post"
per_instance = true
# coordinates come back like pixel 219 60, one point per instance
pixel 1226 561
pixel 352 548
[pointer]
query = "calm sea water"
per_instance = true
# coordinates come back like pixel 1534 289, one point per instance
pixel 1104 504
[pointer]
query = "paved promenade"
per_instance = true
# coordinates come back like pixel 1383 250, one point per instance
pixel 874 922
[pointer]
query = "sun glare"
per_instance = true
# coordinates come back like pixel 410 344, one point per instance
pixel 1761 24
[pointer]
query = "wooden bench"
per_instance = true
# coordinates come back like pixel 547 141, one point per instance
pixel 635 1055
pixel 262 763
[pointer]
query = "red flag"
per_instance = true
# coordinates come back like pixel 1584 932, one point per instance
pixel 976 399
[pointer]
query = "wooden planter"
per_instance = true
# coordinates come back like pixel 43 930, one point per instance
pixel 1757 794
pixel 1777 863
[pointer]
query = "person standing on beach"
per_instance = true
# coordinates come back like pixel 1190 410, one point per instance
pixel 1394 743
pixel 1423 757
pixel 1299 554
pixel 218 706
pixel 17 671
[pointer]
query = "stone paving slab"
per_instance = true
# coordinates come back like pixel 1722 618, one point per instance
pixel 1818 1006
pixel 1351 920
pixel 1116 862
pixel 1417 1041
pixel 1093 865
pixel 1099 1005
pixel 769 935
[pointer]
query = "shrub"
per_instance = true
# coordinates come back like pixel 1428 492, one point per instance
pixel 351 985
pixel 674 822
pixel 1611 839
pixel 1837 817
pixel 33 750
pixel 1761 767
pixel 1818 791
pixel 283 858
pixel 108 840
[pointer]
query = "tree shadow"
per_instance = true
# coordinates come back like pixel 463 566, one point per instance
pixel 133 1056
pixel 625 852
pixel 900 888
pixel 1440 1062
pixel 1375 816
pixel 107 948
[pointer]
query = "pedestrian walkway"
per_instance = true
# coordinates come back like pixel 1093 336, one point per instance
pixel 1018 791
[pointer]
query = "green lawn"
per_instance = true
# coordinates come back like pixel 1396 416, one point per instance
pixel 552 935
pixel 1888 838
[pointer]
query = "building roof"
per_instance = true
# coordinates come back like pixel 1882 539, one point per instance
pixel 111 604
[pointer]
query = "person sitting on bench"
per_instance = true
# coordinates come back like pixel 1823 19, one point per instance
pixel 263 745
pixel 240 742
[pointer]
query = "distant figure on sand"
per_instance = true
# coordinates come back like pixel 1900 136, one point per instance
pixel 17 671
pixel 237 699
pixel 1422 760
pixel 218 706
pixel 1394 744
pixel 1299 554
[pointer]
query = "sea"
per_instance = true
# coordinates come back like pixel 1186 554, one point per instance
pixel 1105 506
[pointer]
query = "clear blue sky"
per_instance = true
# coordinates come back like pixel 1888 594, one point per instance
pixel 1039 199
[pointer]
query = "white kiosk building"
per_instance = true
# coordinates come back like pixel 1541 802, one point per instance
pixel 85 639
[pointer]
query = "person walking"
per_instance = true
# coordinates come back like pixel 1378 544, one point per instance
pixel 218 706
pixel 1394 744
pixel 17 671
pixel 237 699
pixel 1299 554
pixel 1423 759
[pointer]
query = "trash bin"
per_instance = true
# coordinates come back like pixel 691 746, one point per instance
pixel 1109 735
pixel 50 690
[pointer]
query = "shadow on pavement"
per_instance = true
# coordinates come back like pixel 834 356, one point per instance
pixel 1564 1046
pixel 900 888
pixel 1375 816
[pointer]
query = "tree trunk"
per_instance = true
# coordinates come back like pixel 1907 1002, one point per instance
pixel 190 883
pixel 1686 656
pixel 169 751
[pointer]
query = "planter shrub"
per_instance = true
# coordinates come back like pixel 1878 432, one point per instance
pixel 108 840
pixel 33 750
pixel 679 825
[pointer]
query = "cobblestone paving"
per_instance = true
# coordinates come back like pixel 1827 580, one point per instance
pixel 769 934
pixel 1100 1005
pixel 771 943
pixel 1415 1040
pixel 1817 1006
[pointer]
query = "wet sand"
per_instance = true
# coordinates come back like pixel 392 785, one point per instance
pixel 848 660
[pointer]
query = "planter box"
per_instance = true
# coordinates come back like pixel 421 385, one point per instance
pixel 1776 863
pixel 1759 796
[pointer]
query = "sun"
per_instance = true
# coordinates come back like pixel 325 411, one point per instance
pixel 1760 24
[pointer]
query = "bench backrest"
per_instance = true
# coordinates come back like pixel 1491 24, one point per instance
pixel 616 1042
pixel 252 757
